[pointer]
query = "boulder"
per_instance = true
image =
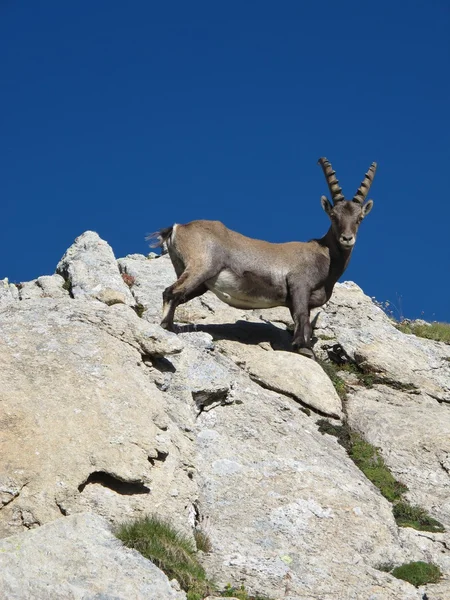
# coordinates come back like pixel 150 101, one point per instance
pixel 91 269
pixel 78 557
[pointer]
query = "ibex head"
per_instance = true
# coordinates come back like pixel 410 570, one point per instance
pixel 346 215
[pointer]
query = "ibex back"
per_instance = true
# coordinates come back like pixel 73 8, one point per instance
pixel 247 273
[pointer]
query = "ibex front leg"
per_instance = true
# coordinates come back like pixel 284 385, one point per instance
pixel 299 307
pixel 190 284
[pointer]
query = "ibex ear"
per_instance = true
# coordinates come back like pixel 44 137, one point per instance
pixel 326 205
pixel 367 208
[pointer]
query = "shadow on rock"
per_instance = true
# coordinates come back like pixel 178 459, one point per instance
pixel 246 333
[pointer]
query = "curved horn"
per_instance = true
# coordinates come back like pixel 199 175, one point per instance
pixel 333 183
pixel 364 188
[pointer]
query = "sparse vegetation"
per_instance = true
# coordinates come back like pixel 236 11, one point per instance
pixel 168 549
pixel 202 540
pixel 365 378
pixel 386 567
pixel 418 573
pixel 139 309
pixel 339 384
pixel 439 332
pixel 368 458
pixel 67 285
pixel 129 280
pixel 415 517
pixel 240 593
pixel 371 463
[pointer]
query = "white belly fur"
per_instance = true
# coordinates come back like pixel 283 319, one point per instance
pixel 229 288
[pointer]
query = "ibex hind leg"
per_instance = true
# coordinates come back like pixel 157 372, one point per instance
pixel 189 286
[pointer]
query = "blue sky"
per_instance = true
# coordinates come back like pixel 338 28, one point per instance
pixel 126 117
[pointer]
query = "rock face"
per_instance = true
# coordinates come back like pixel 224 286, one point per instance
pixel 104 412
pixel 90 268
pixel 77 557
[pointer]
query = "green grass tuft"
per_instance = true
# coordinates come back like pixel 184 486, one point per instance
pixel 139 309
pixel 365 378
pixel 202 541
pixel 415 517
pixel 240 593
pixel 418 573
pixel 339 384
pixel 168 549
pixel 371 463
pixel 439 332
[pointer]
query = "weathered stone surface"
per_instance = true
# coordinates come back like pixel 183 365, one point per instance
pixel 291 374
pixel 105 412
pixel 8 292
pixel 52 286
pixel 149 280
pixel 82 424
pixel 90 267
pixel 289 513
pixel 78 557
pixel 46 286
pixel 369 336
pixel 413 432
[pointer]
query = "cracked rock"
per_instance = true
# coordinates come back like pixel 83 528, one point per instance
pixel 91 268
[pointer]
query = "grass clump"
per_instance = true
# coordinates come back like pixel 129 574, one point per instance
pixel 339 360
pixel 339 384
pixel 371 463
pixel 240 593
pixel 369 460
pixel 139 309
pixel 168 549
pixel 415 517
pixel 418 573
pixel 439 332
pixel 202 540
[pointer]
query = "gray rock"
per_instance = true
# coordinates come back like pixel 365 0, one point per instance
pixel 29 290
pixel 105 412
pixel 81 416
pixel 291 374
pixel 368 335
pixel 8 292
pixel 52 286
pixel 289 514
pixel 78 557
pixel 413 432
pixel 90 267
pixel 150 278
pixel 46 286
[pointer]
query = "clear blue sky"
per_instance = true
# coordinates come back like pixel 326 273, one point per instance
pixel 123 117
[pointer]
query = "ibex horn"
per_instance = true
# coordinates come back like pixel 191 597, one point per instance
pixel 364 188
pixel 333 183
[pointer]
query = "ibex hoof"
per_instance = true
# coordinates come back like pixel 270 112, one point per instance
pixel 306 352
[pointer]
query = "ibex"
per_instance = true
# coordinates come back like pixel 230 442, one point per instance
pixel 248 273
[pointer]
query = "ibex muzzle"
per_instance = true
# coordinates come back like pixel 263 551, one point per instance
pixel 247 273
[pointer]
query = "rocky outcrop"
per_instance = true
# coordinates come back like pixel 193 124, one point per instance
pixel 90 268
pixel 104 412
pixel 77 557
